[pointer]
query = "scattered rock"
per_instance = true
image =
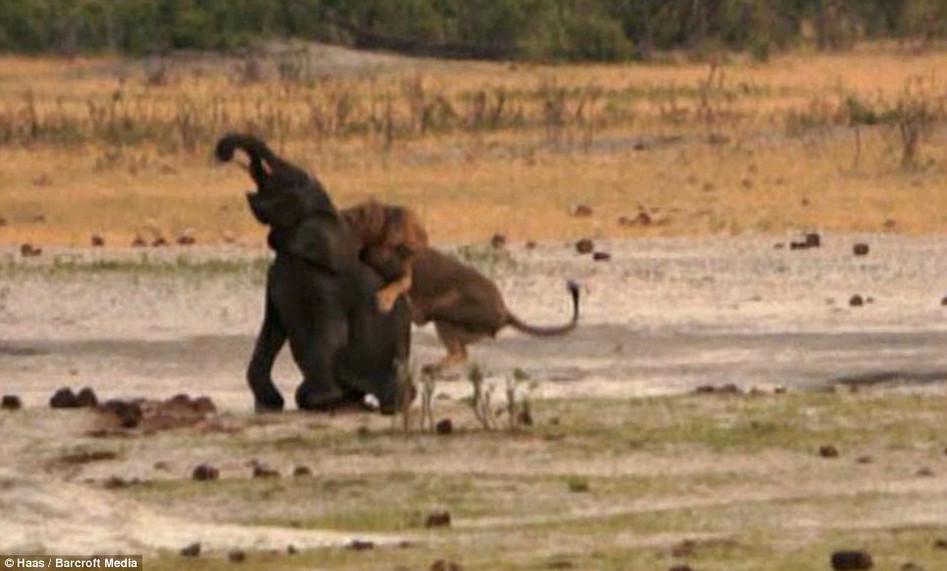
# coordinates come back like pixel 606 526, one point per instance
pixel 498 241
pixel 139 242
pixel 302 471
pixel 779 246
pixel 437 519
pixel 843 560
pixel 856 301
pixel 86 398
pixel 704 390
pixel 192 550
pixel 524 418
pixel 601 256
pixel 205 473
pixel 828 451
pixel 780 390
pixel 63 398
pixel 261 470
pixel 128 413
pixel 444 565
pixel 28 250
pixel 581 211
pixel 360 545
pixel 162 465
pixel 187 238
pixel 860 249
pixel 159 242
pixel 444 427
pixel 865 460
pixel 116 483
pixel 813 240
pixel 911 566
pixel 940 544
pixel 680 568
pixel 944 301
pixel 584 246
pixel 97 241
pixel 237 556
pixel 291 549
pixel 798 246
pixel 530 244
pixel 924 472
pixel 729 389
pixel 685 548
pixel 11 402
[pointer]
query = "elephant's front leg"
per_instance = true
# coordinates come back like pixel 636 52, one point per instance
pixel 315 351
pixel 259 374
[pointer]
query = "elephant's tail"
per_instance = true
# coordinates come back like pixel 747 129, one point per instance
pixel 519 325
pixel 254 147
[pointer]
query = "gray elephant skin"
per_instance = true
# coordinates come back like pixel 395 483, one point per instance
pixel 319 295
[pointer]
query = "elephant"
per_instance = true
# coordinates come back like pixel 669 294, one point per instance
pixel 319 295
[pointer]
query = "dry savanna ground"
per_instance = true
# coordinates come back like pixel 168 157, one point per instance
pixel 720 146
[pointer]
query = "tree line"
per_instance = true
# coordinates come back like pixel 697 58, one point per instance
pixel 596 30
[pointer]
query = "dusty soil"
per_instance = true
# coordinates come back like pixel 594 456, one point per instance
pixel 663 317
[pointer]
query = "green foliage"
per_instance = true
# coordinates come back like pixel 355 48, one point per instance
pixel 603 30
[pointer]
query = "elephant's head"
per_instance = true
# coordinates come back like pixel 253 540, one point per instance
pixel 289 200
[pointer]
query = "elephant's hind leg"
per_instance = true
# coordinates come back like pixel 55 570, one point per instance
pixel 315 353
pixel 259 373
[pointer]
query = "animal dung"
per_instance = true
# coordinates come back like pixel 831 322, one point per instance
pixel 11 402
pixel 444 427
pixel 63 398
pixel 437 519
pixel 360 545
pixel 851 560
pixel 192 550
pixel 856 301
pixel 86 398
pixel 28 250
pixel 236 556
pixel 302 471
pixel 581 211
pixel 498 240
pixel 205 473
pixel 128 413
pixel 97 241
pixel 584 246
pixel 813 240
pixel 860 249
pixel 828 451
pixel 601 256
pixel 261 470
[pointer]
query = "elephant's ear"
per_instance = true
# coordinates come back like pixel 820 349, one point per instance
pixel 322 242
pixel 279 211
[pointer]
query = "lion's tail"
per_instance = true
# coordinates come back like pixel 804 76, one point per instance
pixel 550 331
pixel 254 147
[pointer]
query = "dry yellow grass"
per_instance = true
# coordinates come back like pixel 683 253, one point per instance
pixel 468 183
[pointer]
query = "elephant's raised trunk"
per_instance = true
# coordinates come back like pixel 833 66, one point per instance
pixel 262 160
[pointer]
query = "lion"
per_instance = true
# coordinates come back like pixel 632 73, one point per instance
pixel 390 237
pixel 465 305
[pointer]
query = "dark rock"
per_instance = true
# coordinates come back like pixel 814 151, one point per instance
pixel 63 398
pixel 860 249
pixel 798 246
pixel 30 251
pixel 237 556
pixel 291 549
pixel 128 413
pixel 139 242
pixel 530 244
pixel 11 402
pixel 584 246
pixel 186 240
pixel 437 519
pixel 813 240
pixel 940 544
pixel 205 473
pixel 498 241
pixel 444 565
pixel 856 301
pixel 360 545
pixel 86 398
pixel 729 389
pixel 159 242
pixel 97 241
pixel 843 560
pixel 192 550
pixel 704 390
pixel 924 472
pixel 601 256
pixel 162 465
pixel 944 301
pixel 444 427
pixel 302 471
pixel 581 211
pixel 828 451
pixel 261 470
pixel 115 483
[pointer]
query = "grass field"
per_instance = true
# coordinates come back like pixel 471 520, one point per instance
pixel 119 149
